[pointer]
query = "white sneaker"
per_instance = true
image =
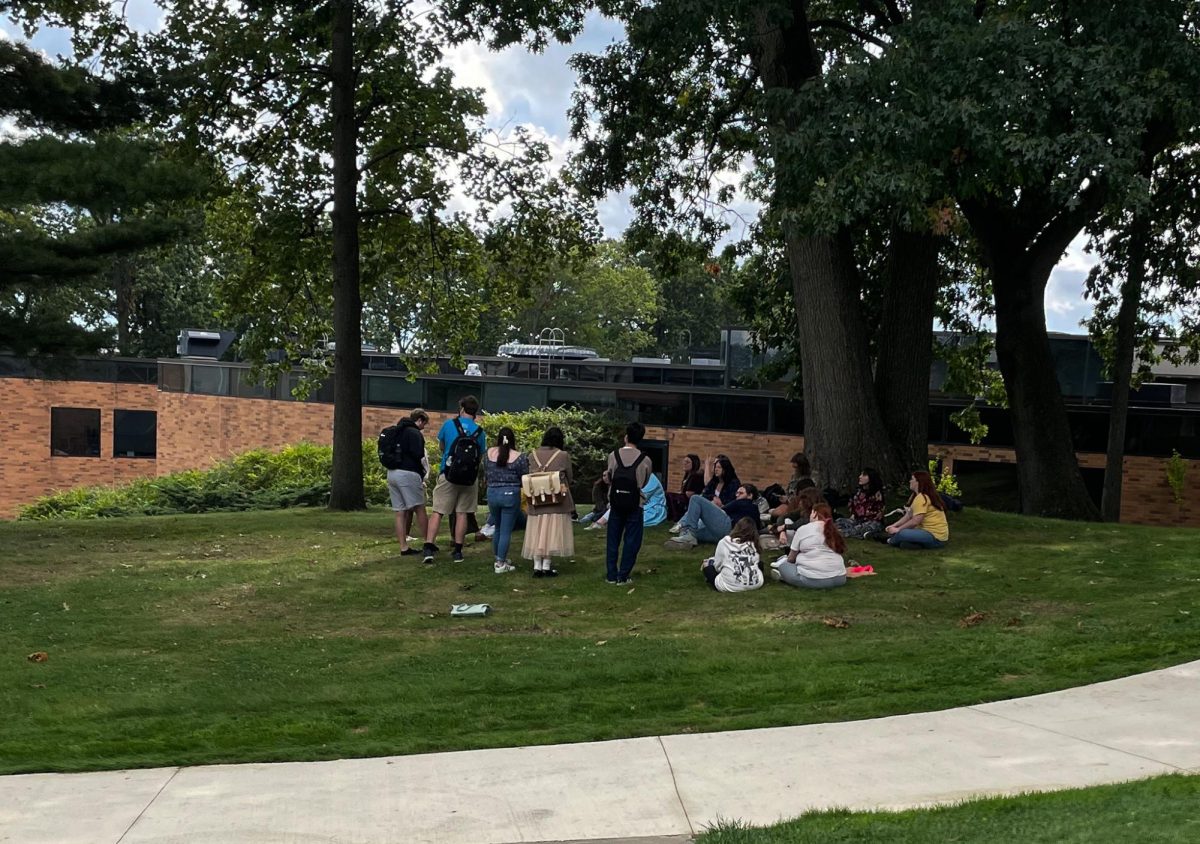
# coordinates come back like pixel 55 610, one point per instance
pixel 488 530
pixel 683 541
pixel 503 567
pixel 675 528
pixel 779 562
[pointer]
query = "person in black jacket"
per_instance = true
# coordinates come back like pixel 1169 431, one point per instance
pixel 406 482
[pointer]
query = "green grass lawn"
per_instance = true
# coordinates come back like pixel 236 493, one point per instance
pixel 1163 809
pixel 302 634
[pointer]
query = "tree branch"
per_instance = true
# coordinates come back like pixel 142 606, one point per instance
pixel 830 23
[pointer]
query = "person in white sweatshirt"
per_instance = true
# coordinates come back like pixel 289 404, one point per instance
pixel 815 559
pixel 735 565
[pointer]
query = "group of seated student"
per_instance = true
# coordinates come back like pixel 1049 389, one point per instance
pixel 804 523
pixel 712 513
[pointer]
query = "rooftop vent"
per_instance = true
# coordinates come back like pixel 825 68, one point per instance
pixel 197 343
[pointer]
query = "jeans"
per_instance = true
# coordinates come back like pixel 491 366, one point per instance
pixel 914 539
pixel 503 505
pixel 705 520
pixel 630 528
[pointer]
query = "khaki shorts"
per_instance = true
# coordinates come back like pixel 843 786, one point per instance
pixel 455 498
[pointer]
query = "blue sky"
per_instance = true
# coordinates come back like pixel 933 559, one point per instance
pixel 534 90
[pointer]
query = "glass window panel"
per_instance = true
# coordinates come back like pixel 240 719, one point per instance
pixel 746 413
pixel 709 411
pixel 788 417
pixel 587 399
pixel 74 432
pixel 250 388
pixel 501 398
pixel 682 377
pixel 653 408
pixel 171 377
pixel 135 433
pixel 714 377
pixel 210 380
pixel 393 391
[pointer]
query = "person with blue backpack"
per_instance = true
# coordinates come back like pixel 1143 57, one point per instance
pixel 463 444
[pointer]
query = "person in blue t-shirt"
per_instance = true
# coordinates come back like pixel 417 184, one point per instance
pixel 450 498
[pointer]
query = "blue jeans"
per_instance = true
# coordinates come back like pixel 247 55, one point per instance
pixel 629 527
pixel 914 539
pixel 503 505
pixel 705 520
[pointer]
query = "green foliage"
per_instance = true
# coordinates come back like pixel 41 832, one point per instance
pixel 77 204
pixel 589 435
pixel 944 481
pixel 1177 471
pixel 296 476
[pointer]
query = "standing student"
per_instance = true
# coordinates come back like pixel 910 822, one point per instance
pixel 402 452
pixel 548 531
pixel 457 491
pixel 628 470
pixel 504 467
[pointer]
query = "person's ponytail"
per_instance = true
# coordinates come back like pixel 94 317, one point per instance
pixel 833 536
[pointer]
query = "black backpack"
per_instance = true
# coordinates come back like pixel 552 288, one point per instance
pixel 462 463
pixel 624 494
pixel 389 447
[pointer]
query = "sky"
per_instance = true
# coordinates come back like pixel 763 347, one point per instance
pixel 534 91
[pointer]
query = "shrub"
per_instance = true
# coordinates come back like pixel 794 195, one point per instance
pixel 944 481
pixel 1177 469
pixel 590 437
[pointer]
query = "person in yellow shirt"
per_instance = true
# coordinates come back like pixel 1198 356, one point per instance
pixel 924 524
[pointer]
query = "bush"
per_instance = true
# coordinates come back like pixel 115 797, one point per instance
pixel 590 436
pixel 296 476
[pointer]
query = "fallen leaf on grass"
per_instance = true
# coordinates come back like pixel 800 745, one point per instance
pixel 38 656
pixel 836 622
pixel 972 619
pixel 602 642
pixel 1013 622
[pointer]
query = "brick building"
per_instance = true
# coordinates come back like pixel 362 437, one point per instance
pixel 113 420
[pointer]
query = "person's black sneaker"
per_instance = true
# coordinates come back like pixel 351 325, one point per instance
pixel 430 551
pixel 538 573
pixel 457 556
pixel 549 572
pixel 611 581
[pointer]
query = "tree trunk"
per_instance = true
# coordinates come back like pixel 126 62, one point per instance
pixel 1047 470
pixel 1131 299
pixel 346 483
pixel 122 282
pixel 905 345
pixel 843 429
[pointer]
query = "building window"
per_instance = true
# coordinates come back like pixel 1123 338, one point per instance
pixel 74 432
pixel 135 433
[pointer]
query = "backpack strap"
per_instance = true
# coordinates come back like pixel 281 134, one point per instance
pixel 458 425
pixel 541 467
pixel 637 462
pixel 617 458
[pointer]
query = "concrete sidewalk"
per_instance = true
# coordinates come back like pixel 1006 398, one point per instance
pixel 657 790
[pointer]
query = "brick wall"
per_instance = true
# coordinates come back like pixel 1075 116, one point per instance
pixel 27 468
pixel 195 430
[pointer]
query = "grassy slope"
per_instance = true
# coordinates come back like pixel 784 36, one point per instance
pixel 303 635
pixel 1163 809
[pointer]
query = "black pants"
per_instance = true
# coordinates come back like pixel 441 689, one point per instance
pixel 710 574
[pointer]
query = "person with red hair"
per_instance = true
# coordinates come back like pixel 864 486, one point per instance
pixel 815 559
pixel 923 524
